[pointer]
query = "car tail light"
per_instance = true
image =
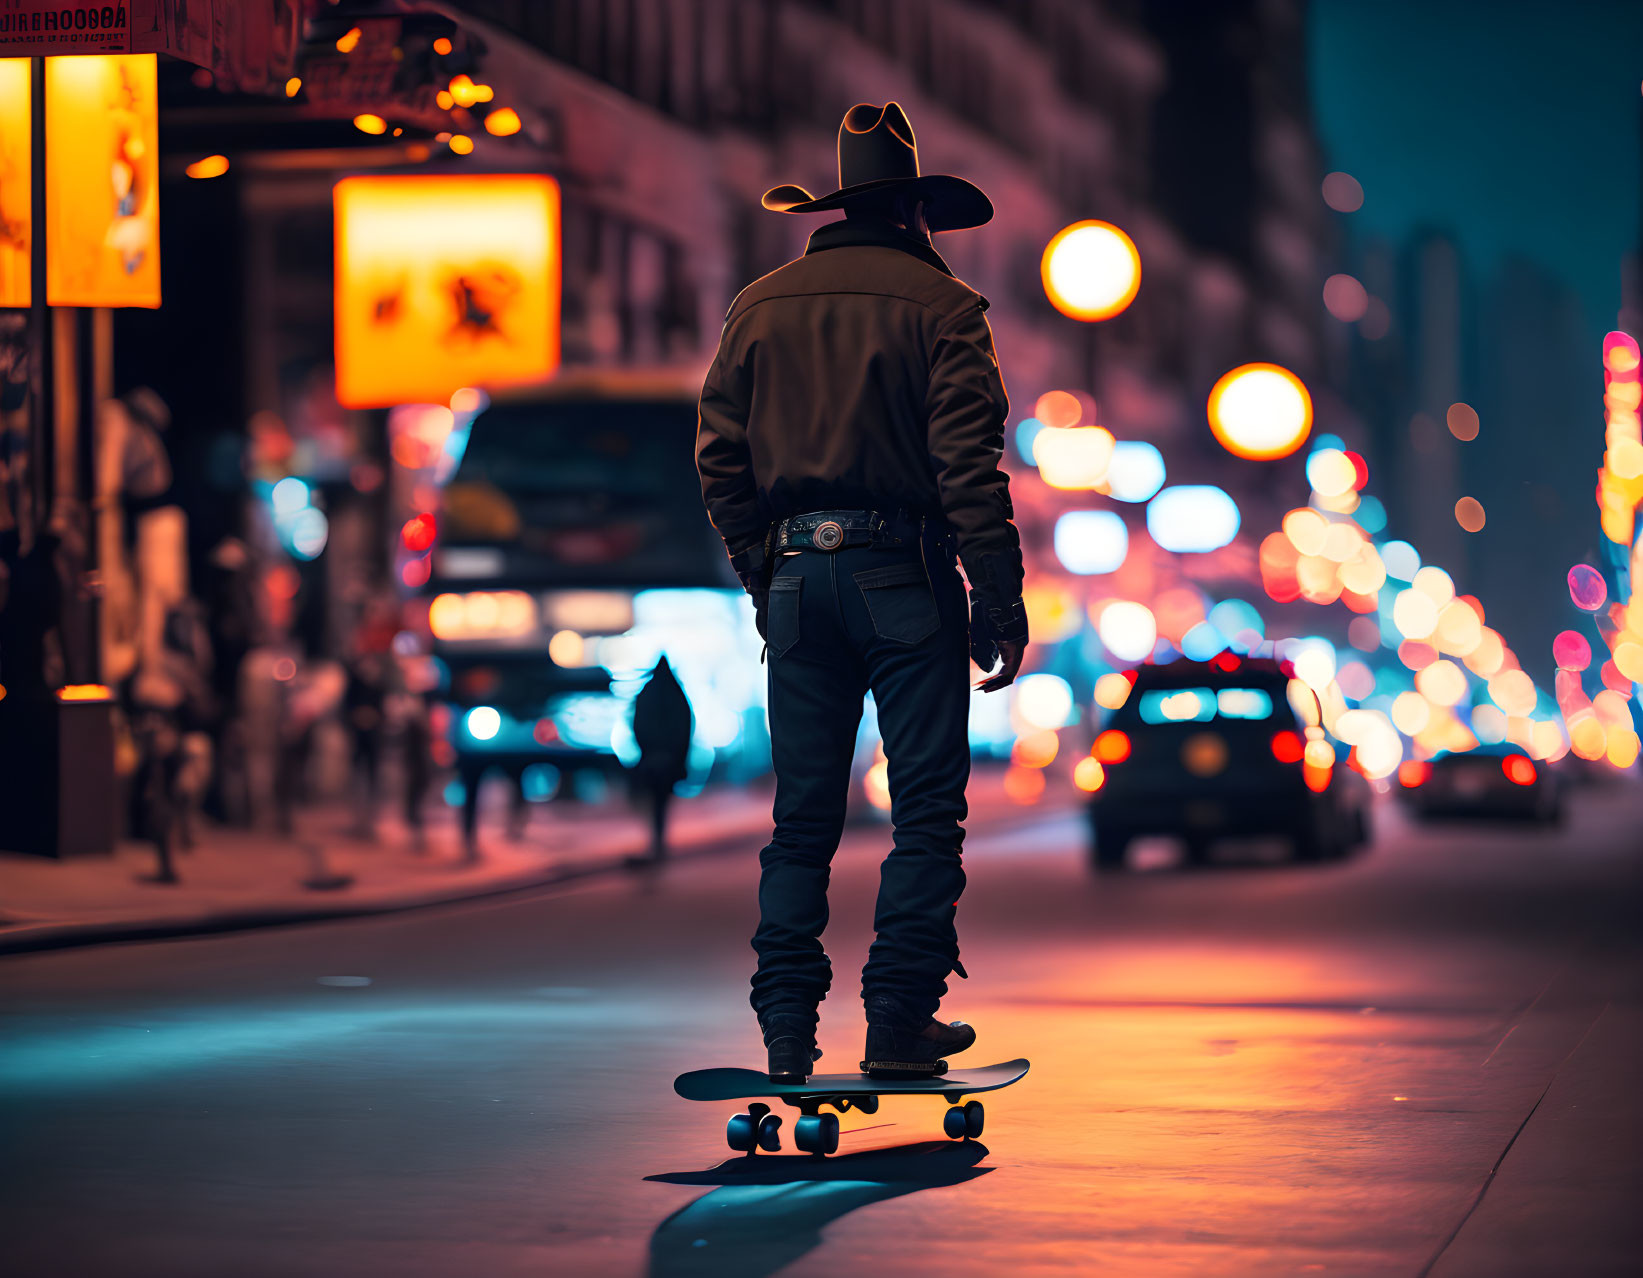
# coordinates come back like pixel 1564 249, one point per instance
pixel 1287 747
pixel 1112 746
pixel 1413 772
pixel 1518 770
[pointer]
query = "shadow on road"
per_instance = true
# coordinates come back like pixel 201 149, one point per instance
pixel 769 1210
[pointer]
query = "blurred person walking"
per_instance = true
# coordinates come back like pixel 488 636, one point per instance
pixel 662 726
pixel 849 447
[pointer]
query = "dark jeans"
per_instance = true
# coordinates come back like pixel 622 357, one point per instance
pixel 892 621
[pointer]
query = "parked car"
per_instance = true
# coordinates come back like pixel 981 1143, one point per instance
pixel 1210 750
pixel 1490 781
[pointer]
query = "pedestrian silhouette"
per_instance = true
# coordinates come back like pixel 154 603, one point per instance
pixel 662 725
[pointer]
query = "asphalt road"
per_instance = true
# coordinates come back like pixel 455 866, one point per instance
pixel 1421 1061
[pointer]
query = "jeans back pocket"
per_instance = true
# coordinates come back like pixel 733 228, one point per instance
pixel 782 628
pixel 899 601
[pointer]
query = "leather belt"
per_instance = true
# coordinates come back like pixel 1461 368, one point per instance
pixel 841 529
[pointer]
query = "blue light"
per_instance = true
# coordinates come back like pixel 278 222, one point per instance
pixel 289 496
pixel 1233 617
pixel 1026 431
pixel 483 723
pixel 1402 560
pixel 1202 642
pixel 1136 471
pixel 540 782
pixel 1091 541
pixel 1192 518
pixel 1371 515
pixel 305 532
pixel 1321 442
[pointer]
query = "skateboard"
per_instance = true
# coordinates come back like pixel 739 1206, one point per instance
pixel 818 1133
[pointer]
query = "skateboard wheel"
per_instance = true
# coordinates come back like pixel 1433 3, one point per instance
pixel 817 1133
pixel 866 1104
pixel 955 1123
pixel 770 1133
pixel 740 1134
pixel 974 1117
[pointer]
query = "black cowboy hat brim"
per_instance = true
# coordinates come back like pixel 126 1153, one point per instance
pixel 950 203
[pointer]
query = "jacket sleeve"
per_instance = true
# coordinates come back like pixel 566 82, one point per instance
pixel 723 460
pixel 967 410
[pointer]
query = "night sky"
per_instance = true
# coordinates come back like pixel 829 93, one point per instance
pixel 1511 127
pixel 1513 124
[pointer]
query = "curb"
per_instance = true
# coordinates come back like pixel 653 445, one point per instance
pixel 37 938
pixel 34 938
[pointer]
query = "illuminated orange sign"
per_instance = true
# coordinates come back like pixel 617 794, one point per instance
pixel 444 282
pixel 102 181
pixel 15 168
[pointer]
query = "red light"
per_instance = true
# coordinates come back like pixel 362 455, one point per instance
pixel 415 573
pixel 418 533
pixel 1413 772
pixel 1317 779
pixel 1360 467
pixel 544 732
pixel 1227 661
pixel 1112 746
pixel 1287 747
pixel 1518 770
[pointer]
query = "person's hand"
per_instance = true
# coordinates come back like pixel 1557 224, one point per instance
pixel 1011 651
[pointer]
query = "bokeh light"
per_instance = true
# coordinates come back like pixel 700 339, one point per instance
pixel 1342 192
pixel 1345 298
pixel 1128 630
pixel 1260 412
pixel 1192 518
pixel 1091 541
pixel 1463 421
pixel 1073 457
pixel 1587 587
pixel 1091 270
pixel 1044 701
pixel 1401 559
pixel 1136 471
pixel 1469 514
pixel 1059 408
pixel 1571 651
pixel 1331 472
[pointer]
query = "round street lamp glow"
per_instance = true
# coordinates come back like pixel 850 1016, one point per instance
pixel 1260 412
pixel 1091 270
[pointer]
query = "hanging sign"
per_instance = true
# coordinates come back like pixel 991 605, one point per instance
pixel 40 28
pixel 444 282
pixel 102 181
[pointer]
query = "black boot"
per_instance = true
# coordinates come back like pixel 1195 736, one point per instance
pixel 899 1047
pixel 790 1042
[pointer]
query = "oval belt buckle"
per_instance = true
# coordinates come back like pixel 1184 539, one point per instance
pixel 828 536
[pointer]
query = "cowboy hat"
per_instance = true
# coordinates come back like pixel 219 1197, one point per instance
pixel 879 155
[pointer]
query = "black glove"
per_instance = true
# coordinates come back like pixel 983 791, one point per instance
pixel 753 567
pixel 990 626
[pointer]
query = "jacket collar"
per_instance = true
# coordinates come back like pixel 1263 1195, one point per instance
pixel 853 232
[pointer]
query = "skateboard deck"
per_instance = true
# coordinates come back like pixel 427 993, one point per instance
pixel 816 1132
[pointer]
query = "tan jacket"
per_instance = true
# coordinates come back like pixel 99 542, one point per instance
pixel 861 376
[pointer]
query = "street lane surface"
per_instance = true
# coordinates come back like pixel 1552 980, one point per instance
pixel 1261 1069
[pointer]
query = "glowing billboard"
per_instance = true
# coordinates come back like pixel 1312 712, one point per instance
pixel 16 167
pixel 444 282
pixel 102 181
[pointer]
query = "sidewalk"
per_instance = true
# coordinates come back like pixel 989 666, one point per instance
pixel 241 878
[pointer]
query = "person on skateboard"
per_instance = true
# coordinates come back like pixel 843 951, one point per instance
pixel 849 445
